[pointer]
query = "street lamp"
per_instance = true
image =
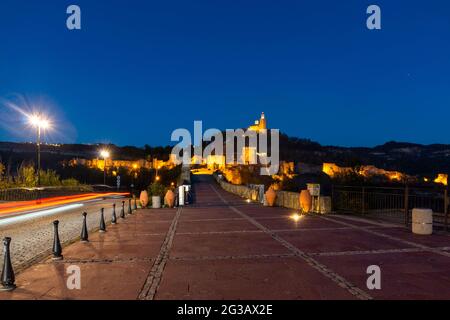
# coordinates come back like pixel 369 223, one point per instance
pixel 40 123
pixel 133 177
pixel 157 175
pixel 104 154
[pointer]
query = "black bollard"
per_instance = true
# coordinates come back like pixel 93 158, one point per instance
pixel 135 204
pixel 129 206
pixel 114 218
pixel 8 277
pixel 57 249
pixel 122 211
pixel 102 221
pixel 84 231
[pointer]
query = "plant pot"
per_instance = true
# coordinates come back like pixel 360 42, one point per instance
pixel 143 198
pixel 305 201
pixel 156 202
pixel 271 195
pixel 170 198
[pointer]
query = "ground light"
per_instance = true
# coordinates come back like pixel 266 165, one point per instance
pixel 296 217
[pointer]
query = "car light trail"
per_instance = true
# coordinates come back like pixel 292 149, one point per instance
pixel 33 215
pixel 19 206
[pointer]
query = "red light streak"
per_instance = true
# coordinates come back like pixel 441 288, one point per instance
pixel 17 206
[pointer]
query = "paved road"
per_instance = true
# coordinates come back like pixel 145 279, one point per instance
pixel 224 248
pixel 33 239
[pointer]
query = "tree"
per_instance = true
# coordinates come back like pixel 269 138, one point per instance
pixel 26 176
pixel 2 170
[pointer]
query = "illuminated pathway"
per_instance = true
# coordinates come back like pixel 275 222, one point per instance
pixel 224 248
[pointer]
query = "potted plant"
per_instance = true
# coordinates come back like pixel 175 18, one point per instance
pixel 156 190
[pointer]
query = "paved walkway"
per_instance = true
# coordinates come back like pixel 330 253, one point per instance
pixel 225 248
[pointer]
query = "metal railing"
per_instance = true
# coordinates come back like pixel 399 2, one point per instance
pixel 391 203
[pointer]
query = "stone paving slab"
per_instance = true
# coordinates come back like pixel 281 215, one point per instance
pixel 144 248
pixel 257 278
pixel 437 240
pixel 199 214
pixel 99 280
pixel 225 244
pixel 414 275
pixel 339 240
pixel 285 222
pixel 214 226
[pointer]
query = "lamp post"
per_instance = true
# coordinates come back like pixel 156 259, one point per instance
pixel 104 154
pixel 40 123
pixel 157 175
pixel 133 177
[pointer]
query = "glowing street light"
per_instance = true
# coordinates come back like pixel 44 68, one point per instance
pixel 104 154
pixel 157 174
pixel 39 122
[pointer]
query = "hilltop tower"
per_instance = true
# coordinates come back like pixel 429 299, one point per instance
pixel 259 124
pixel 262 122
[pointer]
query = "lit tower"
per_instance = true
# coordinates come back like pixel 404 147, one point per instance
pixel 262 122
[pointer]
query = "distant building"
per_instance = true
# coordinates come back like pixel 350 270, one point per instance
pixel 442 178
pixel 286 168
pixel 249 155
pixel 214 162
pixel 260 124
pixel 368 171
pixel 331 169
pixel 129 164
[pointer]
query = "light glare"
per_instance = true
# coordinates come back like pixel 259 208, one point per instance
pixel 296 217
pixel 39 121
pixel 104 154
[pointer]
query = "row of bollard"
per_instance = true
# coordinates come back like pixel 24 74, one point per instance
pixel 8 277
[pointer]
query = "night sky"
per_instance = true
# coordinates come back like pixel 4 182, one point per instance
pixel 139 69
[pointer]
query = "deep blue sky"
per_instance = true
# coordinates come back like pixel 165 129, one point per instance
pixel 139 69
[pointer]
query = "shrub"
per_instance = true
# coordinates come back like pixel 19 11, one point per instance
pixel 71 182
pixel 156 189
pixel 49 178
